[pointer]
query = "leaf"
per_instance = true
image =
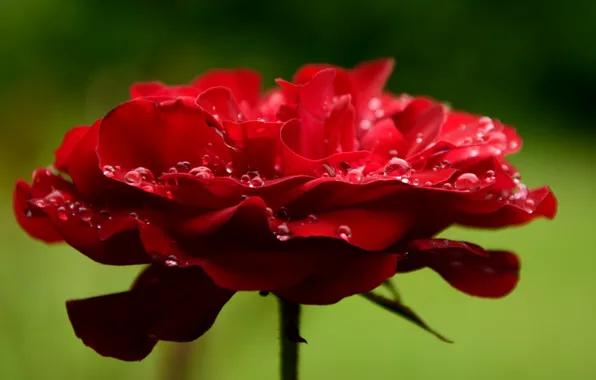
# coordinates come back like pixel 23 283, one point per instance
pixel 402 310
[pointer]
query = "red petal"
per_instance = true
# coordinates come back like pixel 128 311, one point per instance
pixel 385 141
pixel 71 139
pixel 420 124
pixel 352 274
pixel 369 79
pixel 307 72
pixel 37 226
pixel 156 136
pixel 465 266
pixel 244 84
pixel 164 304
pixel 220 103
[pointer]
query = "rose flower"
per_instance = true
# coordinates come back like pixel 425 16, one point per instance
pixel 320 189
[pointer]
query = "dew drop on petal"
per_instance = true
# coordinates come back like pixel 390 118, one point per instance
pixel 467 181
pixel 61 213
pixel 397 167
pixel 365 125
pixel 146 174
pixel 490 176
pixel 374 104
pixel 530 205
pixel 245 179
pixel 148 188
pixel 206 159
pixel 415 182
pixel 133 178
pixel 312 218
pixel 183 166
pixel 133 215
pixel 344 232
pixel 419 138
pixel 256 182
pixel 202 172
pixel 108 171
pixel 392 153
pixel 85 214
pixel 354 176
pixel 171 261
pixel 230 167
pixel 105 214
pixel 28 213
pixel 428 183
pixel 447 186
pixel 282 232
pixel 40 203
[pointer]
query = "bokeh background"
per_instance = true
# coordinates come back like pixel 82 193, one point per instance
pixel 531 64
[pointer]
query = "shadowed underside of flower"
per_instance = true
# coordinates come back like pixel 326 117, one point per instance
pixel 317 190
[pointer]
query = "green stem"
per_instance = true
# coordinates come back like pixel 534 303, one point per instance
pixel 178 361
pixel 290 318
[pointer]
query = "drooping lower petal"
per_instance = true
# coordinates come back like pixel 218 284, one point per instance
pixel 171 304
pixel 465 266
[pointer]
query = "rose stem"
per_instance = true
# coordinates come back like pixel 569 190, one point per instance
pixel 290 318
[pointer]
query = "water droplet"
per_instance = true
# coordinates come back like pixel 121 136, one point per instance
pixel 374 104
pixel 490 176
pixel 206 159
pixel 365 125
pixel 171 261
pixel 312 218
pixel 245 179
pixel 513 145
pixel 447 186
pixel 230 167
pixel 169 195
pixel 392 153
pixel 145 173
pixel 148 188
pixel 108 171
pixel 62 214
pixel 415 182
pixel 133 215
pixel 282 232
pixel 257 181
pixel 40 203
pixel 428 183
pixel 244 197
pixel 85 214
pixel 354 176
pixel 344 232
pixel 419 138
pixel 133 178
pixel 202 172
pixel 530 205
pixel 172 170
pixel 183 166
pixel 379 113
pixel 405 180
pixel 505 168
pixel 467 181
pixel 105 214
pixel 28 213
pixel 397 167
pixel 516 176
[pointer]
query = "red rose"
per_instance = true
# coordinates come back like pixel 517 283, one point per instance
pixel 318 190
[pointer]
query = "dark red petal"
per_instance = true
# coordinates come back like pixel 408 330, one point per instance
pixel 245 84
pixel 37 226
pixel 156 136
pixel 111 239
pixel 352 274
pixel 220 103
pixel 71 139
pixel 371 228
pixel 538 203
pixel 169 304
pixel 465 266
pixel 340 127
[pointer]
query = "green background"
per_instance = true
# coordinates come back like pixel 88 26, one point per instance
pixel 530 64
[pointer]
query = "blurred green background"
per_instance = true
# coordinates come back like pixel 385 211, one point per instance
pixel 531 64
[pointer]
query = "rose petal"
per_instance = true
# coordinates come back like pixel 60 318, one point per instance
pixel 245 84
pixel 351 275
pixel 71 139
pixel 465 266
pixel 156 136
pixel 220 102
pixel 37 226
pixel 164 304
